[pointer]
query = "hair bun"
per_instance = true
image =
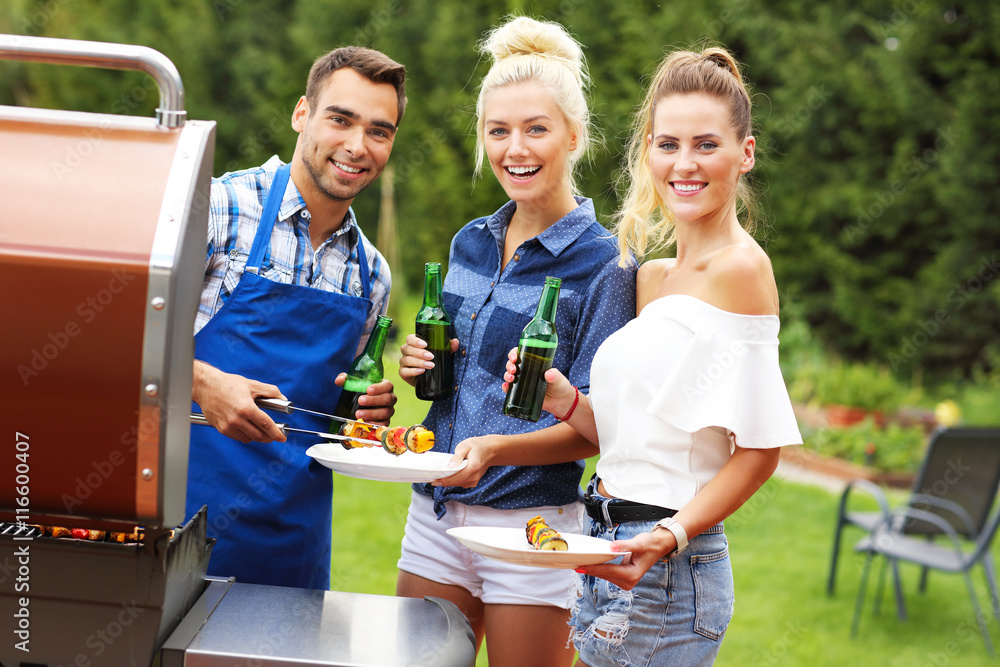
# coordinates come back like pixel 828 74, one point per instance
pixel 724 59
pixel 523 36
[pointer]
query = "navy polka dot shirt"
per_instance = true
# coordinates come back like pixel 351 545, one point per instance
pixel 489 306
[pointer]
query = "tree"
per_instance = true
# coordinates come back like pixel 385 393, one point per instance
pixel 874 121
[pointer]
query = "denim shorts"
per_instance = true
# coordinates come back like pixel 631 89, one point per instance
pixel 676 615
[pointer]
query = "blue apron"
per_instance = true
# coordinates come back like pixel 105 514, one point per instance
pixel 270 505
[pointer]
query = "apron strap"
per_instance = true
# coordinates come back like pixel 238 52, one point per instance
pixel 363 262
pixel 272 205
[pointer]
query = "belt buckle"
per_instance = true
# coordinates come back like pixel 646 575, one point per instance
pixel 604 512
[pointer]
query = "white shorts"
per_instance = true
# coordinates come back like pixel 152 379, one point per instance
pixel 429 552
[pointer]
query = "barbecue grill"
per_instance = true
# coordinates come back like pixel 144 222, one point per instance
pixel 102 233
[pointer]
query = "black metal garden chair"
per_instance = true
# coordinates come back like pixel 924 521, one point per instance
pixel 948 523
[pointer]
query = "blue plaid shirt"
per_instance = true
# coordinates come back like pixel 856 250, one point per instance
pixel 489 307
pixel 235 208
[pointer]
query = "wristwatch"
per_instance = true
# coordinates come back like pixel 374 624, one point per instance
pixel 671 524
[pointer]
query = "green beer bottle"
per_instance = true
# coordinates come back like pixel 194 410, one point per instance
pixel 433 325
pixel 365 371
pixel 535 353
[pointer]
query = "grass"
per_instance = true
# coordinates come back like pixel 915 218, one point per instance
pixel 780 547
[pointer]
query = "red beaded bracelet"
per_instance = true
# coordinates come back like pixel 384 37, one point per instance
pixel 576 400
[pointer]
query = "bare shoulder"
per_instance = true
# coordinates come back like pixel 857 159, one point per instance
pixel 741 280
pixel 649 279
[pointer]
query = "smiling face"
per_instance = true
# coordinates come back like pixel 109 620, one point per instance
pixel 696 158
pixel 345 141
pixel 528 141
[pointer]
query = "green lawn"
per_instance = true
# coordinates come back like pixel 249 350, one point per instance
pixel 780 544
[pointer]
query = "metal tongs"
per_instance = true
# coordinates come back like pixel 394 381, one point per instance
pixel 287 407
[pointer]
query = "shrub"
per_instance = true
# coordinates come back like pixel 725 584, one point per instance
pixel 851 384
pixel 893 448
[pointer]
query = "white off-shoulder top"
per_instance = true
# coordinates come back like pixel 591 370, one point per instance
pixel 675 387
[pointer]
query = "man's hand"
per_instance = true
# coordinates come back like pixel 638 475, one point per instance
pixel 377 405
pixel 227 401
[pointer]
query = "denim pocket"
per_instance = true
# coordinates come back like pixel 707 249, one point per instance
pixel 503 332
pixel 713 593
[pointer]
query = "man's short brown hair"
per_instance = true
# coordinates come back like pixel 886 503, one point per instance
pixel 369 63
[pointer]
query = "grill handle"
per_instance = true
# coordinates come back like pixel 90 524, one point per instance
pixel 54 51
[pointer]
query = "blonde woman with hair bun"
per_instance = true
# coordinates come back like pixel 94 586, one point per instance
pixel 533 127
pixel 687 401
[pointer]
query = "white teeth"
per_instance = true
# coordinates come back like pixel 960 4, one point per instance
pixel 521 171
pixel 349 170
pixel 688 188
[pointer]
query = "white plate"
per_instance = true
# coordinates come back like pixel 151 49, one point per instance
pixel 511 546
pixel 377 464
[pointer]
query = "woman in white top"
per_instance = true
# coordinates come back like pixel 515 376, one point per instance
pixel 687 401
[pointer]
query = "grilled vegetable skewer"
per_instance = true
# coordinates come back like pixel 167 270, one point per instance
pixel 396 439
pixel 542 537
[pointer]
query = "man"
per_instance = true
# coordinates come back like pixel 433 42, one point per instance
pixel 292 291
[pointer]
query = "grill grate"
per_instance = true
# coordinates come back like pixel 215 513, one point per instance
pixel 15 529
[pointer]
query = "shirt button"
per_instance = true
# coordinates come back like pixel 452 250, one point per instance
pixel 473 316
pixel 517 257
pixel 233 254
pixel 357 288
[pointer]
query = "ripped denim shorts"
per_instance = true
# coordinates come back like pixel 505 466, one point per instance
pixel 676 615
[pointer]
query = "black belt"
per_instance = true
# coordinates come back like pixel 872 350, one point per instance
pixel 610 511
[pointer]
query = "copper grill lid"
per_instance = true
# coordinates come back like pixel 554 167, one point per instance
pixel 102 241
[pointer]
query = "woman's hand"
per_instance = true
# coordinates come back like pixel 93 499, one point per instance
pixel 559 393
pixel 416 359
pixel 645 548
pixel 478 451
